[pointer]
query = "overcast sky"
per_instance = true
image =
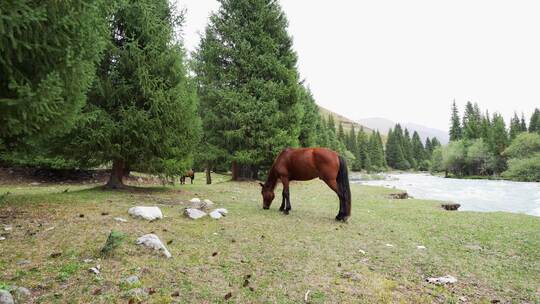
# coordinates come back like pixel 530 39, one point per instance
pixel 407 60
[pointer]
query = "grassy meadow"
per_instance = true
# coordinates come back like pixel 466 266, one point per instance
pixel 262 256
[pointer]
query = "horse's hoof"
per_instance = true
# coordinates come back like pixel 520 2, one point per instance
pixel 286 212
pixel 342 218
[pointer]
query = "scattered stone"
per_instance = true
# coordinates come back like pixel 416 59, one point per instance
pixel 218 213
pixel 175 294
pixel 214 253
pixel 121 220
pixel 49 229
pixel 21 294
pixel 153 241
pixel 5 297
pixel 361 251
pixel 147 213
pixel 23 262
pixel 420 247
pixel 351 276
pixel 34 184
pixel 228 296
pixel 132 280
pixel 194 213
pixel 399 195
pixel 8 227
pixel 95 270
pixel 451 206
pixel 195 200
pixel 474 247
pixel 104 213
pixel 207 204
pixel 88 260
pixel 81 215
pixel 2 238
pixel 463 299
pixel 448 279
pixel 140 180
pixel 389 245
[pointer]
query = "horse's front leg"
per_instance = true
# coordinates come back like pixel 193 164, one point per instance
pixel 287 198
pixel 282 207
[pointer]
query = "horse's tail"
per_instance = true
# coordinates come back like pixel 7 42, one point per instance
pixel 343 184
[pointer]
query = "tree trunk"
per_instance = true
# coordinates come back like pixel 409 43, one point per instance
pixel 116 179
pixel 244 172
pixel 208 176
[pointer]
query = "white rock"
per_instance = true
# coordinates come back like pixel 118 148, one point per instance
pixel 88 260
pixel 193 213
pixel 152 241
pixel 2 238
pixel 95 270
pixel 5 297
pixel 223 211
pixel 361 251
pixel 216 215
pixel 420 247
pixel 21 294
pixel 389 245
pixel 208 204
pixel 448 279
pixel 121 220
pixel 195 200
pixel 8 227
pixel 147 213
pixel 219 213
pixel 132 280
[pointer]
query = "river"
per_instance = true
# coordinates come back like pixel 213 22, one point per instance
pixel 473 195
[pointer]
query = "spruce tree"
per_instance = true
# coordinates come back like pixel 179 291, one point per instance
pixel 515 126
pixel 471 121
pixel 428 148
pixel 498 142
pixel 310 123
pixel 394 150
pixel 142 111
pixel 341 133
pixel 331 123
pixel 456 132
pixel 248 83
pixel 418 150
pixel 523 123
pixel 362 155
pixel 49 54
pixel 485 127
pixel 534 124
pixel 408 149
pixel 435 143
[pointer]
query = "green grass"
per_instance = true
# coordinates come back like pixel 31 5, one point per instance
pixel 285 256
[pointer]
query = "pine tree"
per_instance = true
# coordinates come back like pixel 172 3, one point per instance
pixel 456 132
pixel 394 151
pixel 485 127
pixel 435 143
pixel 341 133
pixel 142 111
pixel 249 84
pixel 515 126
pixel 534 124
pixel 428 148
pixel 418 150
pixel 523 123
pixel 362 155
pixel 471 121
pixel 331 123
pixel 49 54
pixel 352 145
pixel 310 123
pixel 498 142
pixel 408 149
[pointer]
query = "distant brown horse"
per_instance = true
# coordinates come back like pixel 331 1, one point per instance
pixel 190 174
pixel 306 164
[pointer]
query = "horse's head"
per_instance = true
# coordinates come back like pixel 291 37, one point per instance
pixel 268 195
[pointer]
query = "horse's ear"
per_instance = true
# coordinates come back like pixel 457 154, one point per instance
pixel 262 185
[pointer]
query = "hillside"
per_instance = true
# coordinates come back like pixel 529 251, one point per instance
pixel 383 124
pixel 346 122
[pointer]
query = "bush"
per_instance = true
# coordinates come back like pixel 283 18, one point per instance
pixel 524 169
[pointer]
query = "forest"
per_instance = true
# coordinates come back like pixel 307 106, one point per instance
pixel 482 145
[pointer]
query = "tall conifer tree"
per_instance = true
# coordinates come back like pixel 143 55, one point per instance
pixel 456 132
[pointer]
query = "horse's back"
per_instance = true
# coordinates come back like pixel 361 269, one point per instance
pixel 307 163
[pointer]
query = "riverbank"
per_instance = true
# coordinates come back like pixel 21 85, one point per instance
pixel 261 255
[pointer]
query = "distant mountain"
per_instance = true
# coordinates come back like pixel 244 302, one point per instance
pixel 346 122
pixel 383 125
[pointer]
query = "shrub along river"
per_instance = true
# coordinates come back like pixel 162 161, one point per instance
pixel 472 194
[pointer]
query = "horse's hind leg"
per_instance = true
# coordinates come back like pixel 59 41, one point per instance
pixel 282 207
pixel 341 216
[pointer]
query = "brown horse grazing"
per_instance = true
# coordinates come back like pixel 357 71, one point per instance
pixel 306 164
pixel 190 174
